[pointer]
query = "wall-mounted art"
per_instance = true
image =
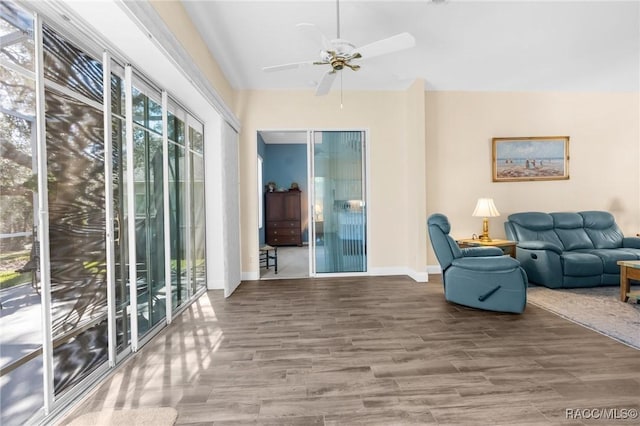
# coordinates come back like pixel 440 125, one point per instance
pixel 530 158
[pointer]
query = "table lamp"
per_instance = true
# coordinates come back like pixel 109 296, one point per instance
pixel 485 209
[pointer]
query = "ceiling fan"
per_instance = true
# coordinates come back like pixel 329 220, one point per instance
pixel 339 53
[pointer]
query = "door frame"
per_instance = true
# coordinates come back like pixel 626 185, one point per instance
pixel 311 195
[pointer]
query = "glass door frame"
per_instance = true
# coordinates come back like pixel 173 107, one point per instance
pixel 53 404
pixel 312 193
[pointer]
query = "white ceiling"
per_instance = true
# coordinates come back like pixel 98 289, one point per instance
pixel 460 44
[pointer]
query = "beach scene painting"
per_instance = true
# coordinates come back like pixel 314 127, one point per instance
pixel 530 158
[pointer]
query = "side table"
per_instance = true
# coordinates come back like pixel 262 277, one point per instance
pixel 629 270
pixel 507 246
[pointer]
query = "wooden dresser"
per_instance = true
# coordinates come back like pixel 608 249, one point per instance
pixel 282 218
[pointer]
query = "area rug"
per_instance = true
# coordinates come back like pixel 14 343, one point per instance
pixel 598 309
pixel 160 416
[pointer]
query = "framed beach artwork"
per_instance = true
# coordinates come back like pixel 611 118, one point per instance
pixel 530 158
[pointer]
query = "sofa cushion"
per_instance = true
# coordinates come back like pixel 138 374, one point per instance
pixel 579 264
pixel 610 258
pixel 602 229
pixel 634 251
pixel 533 226
pixel 570 229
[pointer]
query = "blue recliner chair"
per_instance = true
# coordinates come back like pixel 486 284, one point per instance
pixel 479 277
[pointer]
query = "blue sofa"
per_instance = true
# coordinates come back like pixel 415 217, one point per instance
pixel 567 250
pixel 479 277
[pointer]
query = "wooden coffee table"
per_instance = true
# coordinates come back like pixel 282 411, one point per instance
pixel 629 270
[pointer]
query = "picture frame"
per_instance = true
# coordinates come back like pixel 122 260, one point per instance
pixel 518 159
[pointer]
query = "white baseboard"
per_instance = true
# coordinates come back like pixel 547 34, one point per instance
pixel 215 284
pixel 434 269
pixel 417 276
pixel 393 270
pixel 250 276
pixel 420 277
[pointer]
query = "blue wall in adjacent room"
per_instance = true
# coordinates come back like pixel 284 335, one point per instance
pixel 284 164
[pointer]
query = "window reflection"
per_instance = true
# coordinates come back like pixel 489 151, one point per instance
pixel 74 147
pixel 68 66
pixel 75 162
pixel 178 211
pixel 21 380
pixel 16 33
pixel 197 211
pixel 149 208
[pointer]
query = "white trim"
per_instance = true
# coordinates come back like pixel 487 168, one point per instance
pixel 191 289
pixel 29 118
pixel 109 213
pixel 417 276
pixel 250 276
pixel 168 302
pixel 65 402
pixel 75 95
pixel 152 332
pixel 18 69
pixel 434 269
pixel 131 208
pixel 146 17
pixel 420 277
pixel 260 185
pixel 43 221
pixel 63 21
pixel 366 182
pixel 311 190
pixel 390 270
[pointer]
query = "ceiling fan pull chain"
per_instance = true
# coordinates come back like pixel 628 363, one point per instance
pixel 338 15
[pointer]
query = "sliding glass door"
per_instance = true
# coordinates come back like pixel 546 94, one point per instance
pixel 76 201
pixel 339 205
pixel 96 173
pixel 149 206
pixel 21 336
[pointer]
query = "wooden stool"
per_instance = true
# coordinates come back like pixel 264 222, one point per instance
pixel 265 256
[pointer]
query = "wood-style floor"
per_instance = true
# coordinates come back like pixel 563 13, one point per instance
pixel 374 351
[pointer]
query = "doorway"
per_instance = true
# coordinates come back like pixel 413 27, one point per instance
pixel 283 191
pixel 323 175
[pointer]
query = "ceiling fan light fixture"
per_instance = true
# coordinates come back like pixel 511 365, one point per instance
pixel 339 53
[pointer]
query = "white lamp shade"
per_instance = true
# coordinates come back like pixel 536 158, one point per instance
pixel 486 208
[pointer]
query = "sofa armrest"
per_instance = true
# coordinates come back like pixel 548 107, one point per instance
pixel 482 251
pixel 539 245
pixel 486 264
pixel 631 242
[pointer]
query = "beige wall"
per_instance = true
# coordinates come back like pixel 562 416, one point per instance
pixel 384 115
pixel 431 152
pixel 416 177
pixel 604 155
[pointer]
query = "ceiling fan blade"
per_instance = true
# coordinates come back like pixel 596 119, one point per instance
pixel 291 66
pixel 313 33
pixel 388 45
pixel 325 84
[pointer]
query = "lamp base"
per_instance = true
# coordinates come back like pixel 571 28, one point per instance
pixel 485 230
